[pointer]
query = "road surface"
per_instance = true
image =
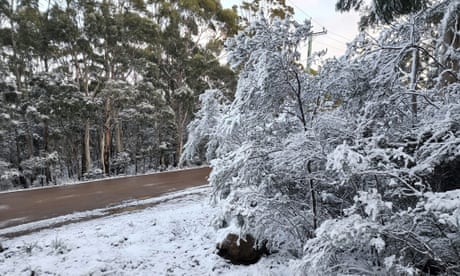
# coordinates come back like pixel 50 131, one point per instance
pixel 24 206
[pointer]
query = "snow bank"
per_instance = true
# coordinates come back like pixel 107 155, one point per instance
pixel 173 238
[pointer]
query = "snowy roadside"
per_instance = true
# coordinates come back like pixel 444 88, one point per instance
pixel 97 213
pixel 172 238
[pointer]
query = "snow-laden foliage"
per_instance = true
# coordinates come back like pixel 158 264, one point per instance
pixel 202 130
pixel 254 143
pixel 356 169
pixel 401 163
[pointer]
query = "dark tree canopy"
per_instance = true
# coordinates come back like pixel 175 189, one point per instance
pixel 384 11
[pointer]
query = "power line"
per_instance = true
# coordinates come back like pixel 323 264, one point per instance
pixel 317 22
pixel 329 46
pixel 336 40
pixel 341 36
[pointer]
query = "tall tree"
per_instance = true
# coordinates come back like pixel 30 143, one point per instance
pixel 103 52
pixel 382 10
pixel 252 132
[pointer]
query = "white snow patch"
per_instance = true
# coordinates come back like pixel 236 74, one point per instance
pixel 173 238
pixel 446 205
pixel 6 222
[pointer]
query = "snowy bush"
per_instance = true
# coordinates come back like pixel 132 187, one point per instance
pixel 356 169
pixel 252 143
pixel 404 148
pixel 120 162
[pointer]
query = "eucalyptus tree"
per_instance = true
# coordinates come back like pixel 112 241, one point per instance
pixel 382 11
pixel 256 9
pixel 191 35
pixel 148 123
pixel 58 106
pixel 9 155
pixel 379 163
pixel 259 170
pixel 103 52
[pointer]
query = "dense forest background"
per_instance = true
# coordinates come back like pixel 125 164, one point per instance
pixel 98 88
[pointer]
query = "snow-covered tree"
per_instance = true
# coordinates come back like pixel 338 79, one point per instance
pixel 259 172
pixel 357 165
pixel 203 129
pixel 404 147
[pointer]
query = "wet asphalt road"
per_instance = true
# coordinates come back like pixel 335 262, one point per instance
pixel 25 206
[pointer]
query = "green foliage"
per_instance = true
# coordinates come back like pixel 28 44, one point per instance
pixel 382 10
pixel 69 59
pixel 230 19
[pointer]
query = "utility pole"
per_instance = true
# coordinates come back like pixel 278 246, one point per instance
pixel 310 46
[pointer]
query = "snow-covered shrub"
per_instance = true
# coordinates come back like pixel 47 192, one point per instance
pixel 120 162
pixel 202 130
pixel 8 176
pixel 348 246
pixel 421 240
pixel 256 143
pixel 94 173
pixel 345 164
pixel 444 206
pixel 404 148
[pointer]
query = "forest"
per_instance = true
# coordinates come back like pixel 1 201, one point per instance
pixel 99 88
pixel 351 171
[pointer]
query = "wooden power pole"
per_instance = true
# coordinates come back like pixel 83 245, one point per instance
pixel 310 46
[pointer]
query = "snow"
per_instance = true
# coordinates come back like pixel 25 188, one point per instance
pixel 378 243
pixel 344 159
pixel 172 238
pixel 446 205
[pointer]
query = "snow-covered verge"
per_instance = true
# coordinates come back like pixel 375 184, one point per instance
pixel 172 238
pixel 96 213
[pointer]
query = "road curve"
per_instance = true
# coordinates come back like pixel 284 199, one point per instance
pixel 25 206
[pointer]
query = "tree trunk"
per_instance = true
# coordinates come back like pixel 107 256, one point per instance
pixel 45 135
pixel 414 74
pixel 30 141
pixel 106 138
pixel 86 153
pixel 450 41
pixel 102 146
pixel 45 147
pixel 182 120
pixel 87 146
pixel 17 71
pixel 313 197
pixel 18 151
pixel 136 149
pixel 45 60
pixel 118 133
pixel 413 82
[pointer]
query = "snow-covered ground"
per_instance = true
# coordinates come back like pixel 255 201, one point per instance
pixel 172 238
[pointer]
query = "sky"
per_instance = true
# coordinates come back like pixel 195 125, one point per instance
pixel 341 27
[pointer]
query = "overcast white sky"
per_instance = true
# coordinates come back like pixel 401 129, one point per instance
pixel 341 27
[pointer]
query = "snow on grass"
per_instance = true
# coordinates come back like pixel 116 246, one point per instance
pixel 172 238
